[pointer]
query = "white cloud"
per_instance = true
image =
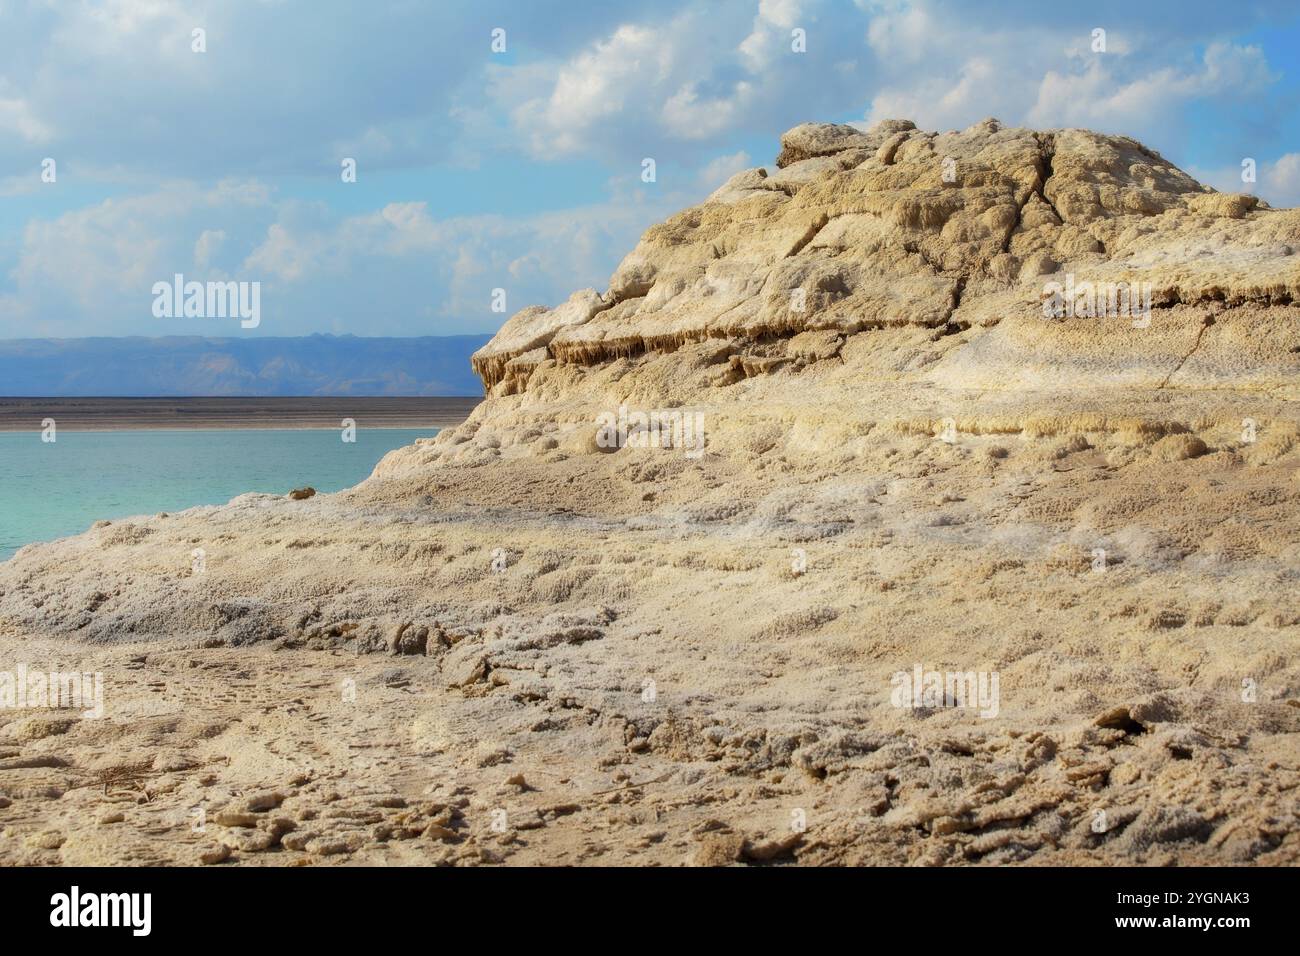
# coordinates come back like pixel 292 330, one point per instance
pixel 596 85
pixel 902 32
pixel 538 259
pixel 688 116
pixel 1097 96
pixel 948 102
pixel 20 185
pixel 770 35
pixel 1282 180
pixel 16 116
pixel 946 70
pixel 206 246
pixel 90 271
pixel 943 72
pixel 103 251
pixel 398 269
pixel 1276 181
pixel 115 20
pixel 684 79
pixel 284 255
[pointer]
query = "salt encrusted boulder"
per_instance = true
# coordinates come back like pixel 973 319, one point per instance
pixel 532 328
pixel 897 227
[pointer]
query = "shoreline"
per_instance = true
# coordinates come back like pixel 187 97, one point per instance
pixel 193 414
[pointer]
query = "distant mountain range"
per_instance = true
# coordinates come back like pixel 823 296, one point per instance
pixel 197 366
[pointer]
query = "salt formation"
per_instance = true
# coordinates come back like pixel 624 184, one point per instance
pixel 1011 411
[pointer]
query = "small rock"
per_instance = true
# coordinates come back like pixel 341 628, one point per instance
pixel 443 817
pixel 410 639
pixel 333 846
pixel 1125 773
pixel 1178 447
pixel 248 841
pixel 261 802
pixel 47 840
pixel 37 728
pixel 236 818
pixel 280 826
pixel 353 814
pixel 436 832
pixel 719 849
pixel 942 826
pixel 711 825
pixel 298 840
pixel 1159 824
pixel 218 854
pixel 476 673
pixel 108 818
pixel 527 820
pixel 490 756
pixel 299 494
pixel 771 849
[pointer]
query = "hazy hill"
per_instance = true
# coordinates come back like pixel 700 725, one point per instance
pixel 194 365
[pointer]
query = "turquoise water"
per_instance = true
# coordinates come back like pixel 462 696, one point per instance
pixel 51 490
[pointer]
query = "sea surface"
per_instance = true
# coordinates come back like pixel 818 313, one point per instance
pixel 53 489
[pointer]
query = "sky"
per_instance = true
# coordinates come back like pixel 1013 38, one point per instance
pixel 513 161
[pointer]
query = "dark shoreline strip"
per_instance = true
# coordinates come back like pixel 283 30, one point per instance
pixel 106 414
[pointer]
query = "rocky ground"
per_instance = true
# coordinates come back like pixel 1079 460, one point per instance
pixel 513 644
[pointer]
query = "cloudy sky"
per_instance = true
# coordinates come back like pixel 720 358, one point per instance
pixel 521 169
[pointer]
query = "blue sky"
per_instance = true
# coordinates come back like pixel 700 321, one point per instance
pixel 521 170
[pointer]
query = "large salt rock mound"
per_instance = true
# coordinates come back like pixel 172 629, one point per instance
pixel 903 464
pixel 895 228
